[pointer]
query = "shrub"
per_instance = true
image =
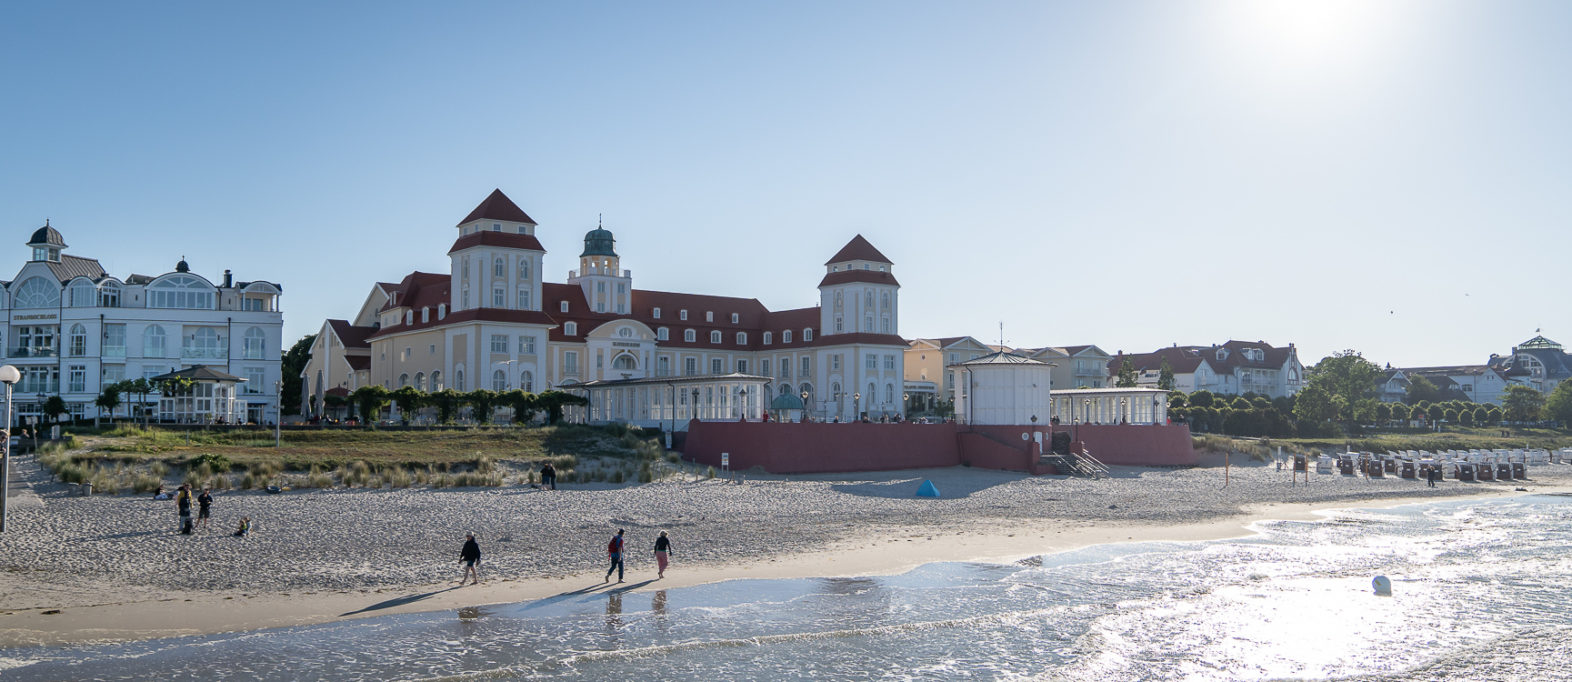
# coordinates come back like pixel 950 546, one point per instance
pixel 214 462
pixel 399 478
pixel 646 473
pixel 618 477
pixel 710 473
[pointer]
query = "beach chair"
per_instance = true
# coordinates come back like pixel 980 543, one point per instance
pixel 1465 471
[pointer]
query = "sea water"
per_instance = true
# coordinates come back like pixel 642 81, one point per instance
pixel 1479 593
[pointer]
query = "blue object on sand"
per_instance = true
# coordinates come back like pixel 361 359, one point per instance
pixel 927 489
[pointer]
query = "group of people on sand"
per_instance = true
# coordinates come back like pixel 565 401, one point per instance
pixel 469 557
pixel 204 502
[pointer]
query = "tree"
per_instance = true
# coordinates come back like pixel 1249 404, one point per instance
pixel 137 387
pixel 332 401
pixel 1400 412
pixel 1202 398
pixel 1126 377
pixel 1316 405
pixel 1421 389
pixel 553 403
pixel 294 362
pixel 447 401
pixel 1348 377
pixel 1176 400
pixel 1480 416
pixel 1383 412
pixel 370 400
pixel 1240 403
pixel 523 404
pixel 1165 376
pixel 408 399
pixel 107 401
pixel 1558 407
pixel 54 406
pixel 1465 417
pixel 483 401
pixel 1521 403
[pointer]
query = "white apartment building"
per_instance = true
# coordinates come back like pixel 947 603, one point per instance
pixel 643 357
pixel 72 328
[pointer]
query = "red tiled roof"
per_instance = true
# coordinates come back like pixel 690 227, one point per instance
pixel 498 206
pixel 350 335
pixel 472 315
pixel 503 239
pixel 418 290
pixel 339 391
pixel 358 362
pixel 1181 360
pixel 857 249
pixel 869 276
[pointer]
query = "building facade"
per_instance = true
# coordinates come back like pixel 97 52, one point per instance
pixel 72 328
pixel 1233 368
pixel 641 356
pixel 1538 363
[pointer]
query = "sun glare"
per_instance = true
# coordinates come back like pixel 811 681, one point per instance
pixel 1303 36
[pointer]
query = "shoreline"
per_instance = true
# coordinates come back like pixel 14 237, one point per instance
pixel 106 615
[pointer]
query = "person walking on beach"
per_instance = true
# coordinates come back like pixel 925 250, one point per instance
pixel 662 551
pixel 470 556
pixel 548 476
pixel 183 503
pixel 614 550
pixel 204 507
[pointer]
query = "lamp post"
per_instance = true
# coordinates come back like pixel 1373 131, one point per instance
pixel 278 410
pixel 742 402
pixel 804 397
pixel 9 375
pixel 857 406
pixel 694 408
pixel 906 404
pixel 1124 415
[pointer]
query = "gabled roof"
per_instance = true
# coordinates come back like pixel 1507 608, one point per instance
pixel 1001 358
pixel 71 267
pixel 419 290
pixel 511 240
pixel 350 335
pixel 497 206
pixel 857 249
pixel 199 373
pixel 869 276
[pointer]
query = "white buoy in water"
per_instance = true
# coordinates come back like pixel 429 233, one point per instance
pixel 1382 585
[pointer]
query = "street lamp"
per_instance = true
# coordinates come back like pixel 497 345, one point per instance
pixel 857 406
pixel 1124 416
pixel 9 375
pixel 906 404
pixel 804 397
pixel 742 402
pixel 694 408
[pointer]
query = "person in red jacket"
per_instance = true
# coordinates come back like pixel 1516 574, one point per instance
pixel 614 550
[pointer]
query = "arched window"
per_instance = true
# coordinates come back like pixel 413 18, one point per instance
pixel 37 292
pixel 154 342
pixel 884 301
pixel 527 381
pixel 786 389
pixel 420 381
pixel 835 390
pixel 524 269
pixel 83 294
pixel 662 334
pixel 742 338
pixel 570 328
pixel 689 335
pixel 436 381
pixel 889 393
pixel 109 295
pixel 715 337
pixel 807 334
pixel 78 340
pixel 767 338
pixel 499 268
pixel 625 362
pixel 499 381
pixel 458 379
pixel 185 292
pixel 255 342
pixel 786 336
pixel 403 380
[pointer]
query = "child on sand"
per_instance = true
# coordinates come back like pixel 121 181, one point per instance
pixel 245 527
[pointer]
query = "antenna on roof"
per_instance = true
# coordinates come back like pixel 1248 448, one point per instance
pixel 600 220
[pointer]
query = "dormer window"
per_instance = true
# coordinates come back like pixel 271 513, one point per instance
pixel 409 317
pixel 786 336
pixel 709 316
pixel 570 328
pixel 715 337
pixel 682 314
pixel 742 338
pixel 425 315
pixel 442 310
pixel 735 317
pixel 662 334
pixel 655 313
pixel 807 334
pixel 564 306
pixel 496 227
pixel 767 338
pixel 689 335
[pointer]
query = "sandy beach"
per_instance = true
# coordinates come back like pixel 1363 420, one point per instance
pixel 107 568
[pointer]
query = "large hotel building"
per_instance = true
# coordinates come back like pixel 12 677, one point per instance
pixel 640 356
pixel 72 328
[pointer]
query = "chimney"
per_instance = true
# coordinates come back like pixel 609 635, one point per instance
pixel 229 279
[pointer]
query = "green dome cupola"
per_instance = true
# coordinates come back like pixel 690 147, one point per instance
pixel 599 242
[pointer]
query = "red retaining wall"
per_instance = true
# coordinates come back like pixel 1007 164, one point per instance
pixel 802 448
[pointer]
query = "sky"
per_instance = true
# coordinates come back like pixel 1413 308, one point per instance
pixel 1386 176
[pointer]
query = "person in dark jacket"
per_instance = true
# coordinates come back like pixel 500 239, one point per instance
pixel 662 554
pixel 183 503
pixel 470 557
pixel 614 552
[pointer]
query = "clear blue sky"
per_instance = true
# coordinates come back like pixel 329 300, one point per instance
pixel 1391 177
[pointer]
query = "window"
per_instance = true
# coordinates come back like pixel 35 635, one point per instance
pixel 499 298
pixel 889 393
pixel 78 340
pixel 254 343
pixel 436 381
pixel 689 335
pixel 524 269
pixel 109 295
pixel 527 345
pixel 442 310
pixel 870 363
pixel 425 315
pixel 742 366
pixel 202 343
pixel 867 323
pixel 498 268
pixel 113 374
pixel 663 366
pixel 420 381
pixel 766 338
pixel 715 337
pixel 625 332
pixel 153 345
pixel 835 362
pixel 83 295
pixel 884 325
pixel 807 334
pixel 785 368
pixel 570 362
pixel 889 362
pixel 709 316
pixel 764 367
pixel 662 334
pixel 527 381
pixel 409 317
pixel 256 380
pixel 807 367
pixel 77 379
pixel 571 329
pixel 682 314
pixel 742 338
pixel 715 365
pixel 184 292
pixel 526 298
pixel 458 379
pixel 564 306
pixel 786 336
pixel 840 325
pixel 403 380
pixel 734 318
pixel 114 341
pixel 655 313
pixel 431 349
pixel 37 293
pixel 690 366
pixel 499 381
pixel 624 362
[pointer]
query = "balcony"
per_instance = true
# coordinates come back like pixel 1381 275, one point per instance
pixel 188 353
pixel 114 352
pixel 27 352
